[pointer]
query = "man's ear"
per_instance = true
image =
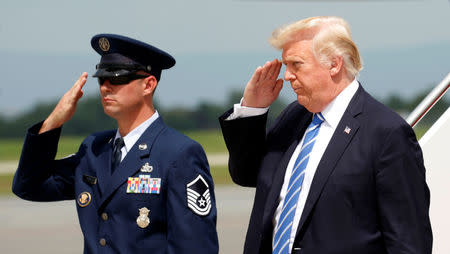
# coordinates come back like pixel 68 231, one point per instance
pixel 150 84
pixel 336 65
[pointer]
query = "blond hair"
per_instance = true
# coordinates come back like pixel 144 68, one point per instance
pixel 331 37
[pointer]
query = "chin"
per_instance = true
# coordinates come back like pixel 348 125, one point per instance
pixel 301 100
pixel 108 111
pixel 308 106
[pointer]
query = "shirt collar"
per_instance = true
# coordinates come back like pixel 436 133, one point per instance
pixel 131 138
pixel 334 111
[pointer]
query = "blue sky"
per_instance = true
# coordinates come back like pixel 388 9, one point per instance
pixel 45 45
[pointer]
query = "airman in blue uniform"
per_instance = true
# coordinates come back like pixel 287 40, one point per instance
pixel 143 188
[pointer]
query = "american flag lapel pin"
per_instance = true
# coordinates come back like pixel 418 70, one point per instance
pixel 347 130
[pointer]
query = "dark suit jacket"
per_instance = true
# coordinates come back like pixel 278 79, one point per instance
pixel 368 195
pixel 112 213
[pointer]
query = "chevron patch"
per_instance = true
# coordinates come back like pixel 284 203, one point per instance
pixel 198 196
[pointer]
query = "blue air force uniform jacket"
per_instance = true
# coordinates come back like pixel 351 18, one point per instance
pixel 180 214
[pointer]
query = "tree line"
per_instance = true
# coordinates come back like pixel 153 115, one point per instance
pixel 90 117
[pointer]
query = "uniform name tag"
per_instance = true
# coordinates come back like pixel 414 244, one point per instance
pixel 144 184
pixel 90 179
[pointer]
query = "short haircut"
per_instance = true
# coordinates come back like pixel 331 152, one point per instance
pixel 332 37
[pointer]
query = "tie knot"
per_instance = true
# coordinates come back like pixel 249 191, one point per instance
pixel 119 143
pixel 318 118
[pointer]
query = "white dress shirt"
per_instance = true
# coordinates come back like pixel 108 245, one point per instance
pixel 332 113
pixel 131 138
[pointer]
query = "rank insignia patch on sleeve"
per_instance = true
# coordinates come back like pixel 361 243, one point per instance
pixel 198 198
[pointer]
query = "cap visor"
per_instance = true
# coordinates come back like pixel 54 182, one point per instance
pixel 104 73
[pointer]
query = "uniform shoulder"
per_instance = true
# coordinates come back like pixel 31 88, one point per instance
pixel 175 140
pixel 99 137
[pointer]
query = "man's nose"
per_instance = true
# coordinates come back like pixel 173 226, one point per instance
pixel 288 75
pixel 105 86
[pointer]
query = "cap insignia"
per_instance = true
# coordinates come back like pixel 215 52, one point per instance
pixel 104 44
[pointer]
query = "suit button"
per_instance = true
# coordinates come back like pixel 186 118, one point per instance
pixel 102 242
pixel 105 216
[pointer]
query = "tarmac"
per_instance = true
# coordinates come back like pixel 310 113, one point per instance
pixel 8 167
pixel 34 227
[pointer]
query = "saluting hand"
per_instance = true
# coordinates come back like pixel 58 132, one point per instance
pixel 66 106
pixel 264 87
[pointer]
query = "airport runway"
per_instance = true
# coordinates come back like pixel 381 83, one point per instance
pixel 32 227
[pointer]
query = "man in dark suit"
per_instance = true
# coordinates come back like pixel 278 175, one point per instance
pixel 338 172
pixel 143 188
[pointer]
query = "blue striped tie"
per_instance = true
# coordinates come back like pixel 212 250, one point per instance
pixel 284 226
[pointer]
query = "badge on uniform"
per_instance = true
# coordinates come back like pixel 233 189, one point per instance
pixel 91 180
pixel 84 199
pixel 146 168
pixel 144 184
pixel 198 197
pixel 143 221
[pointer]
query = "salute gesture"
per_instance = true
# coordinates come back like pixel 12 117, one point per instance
pixel 264 87
pixel 66 106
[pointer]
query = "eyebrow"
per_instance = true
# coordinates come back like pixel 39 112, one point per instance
pixel 292 59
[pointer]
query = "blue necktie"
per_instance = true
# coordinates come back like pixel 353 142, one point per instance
pixel 117 153
pixel 284 225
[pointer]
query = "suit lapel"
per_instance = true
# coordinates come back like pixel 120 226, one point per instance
pixel 278 176
pixel 133 160
pixel 344 133
pixel 103 164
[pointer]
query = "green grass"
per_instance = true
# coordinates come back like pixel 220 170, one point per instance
pixel 211 140
pixel 220 175
pixel 10 149
pixel 5 184
pixel 420 130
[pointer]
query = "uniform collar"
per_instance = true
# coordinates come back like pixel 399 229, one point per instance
pixel 131 138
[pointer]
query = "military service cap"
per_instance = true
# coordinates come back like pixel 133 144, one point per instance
pixel 121 56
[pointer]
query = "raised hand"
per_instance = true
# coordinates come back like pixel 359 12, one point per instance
pixel 66 106
pixel 264 87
